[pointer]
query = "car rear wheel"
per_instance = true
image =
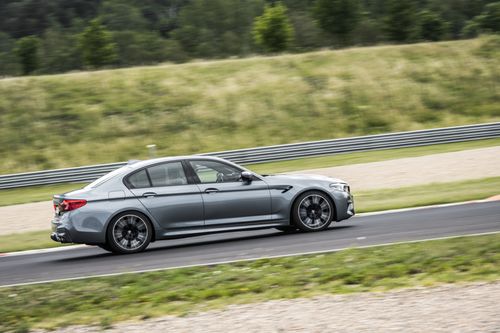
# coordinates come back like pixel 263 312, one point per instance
pixel 312 211
pixel 129 232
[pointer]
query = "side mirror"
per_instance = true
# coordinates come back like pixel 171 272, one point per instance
pixel 247 176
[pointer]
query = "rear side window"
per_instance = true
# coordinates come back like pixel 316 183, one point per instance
pixel 168 174
pixel 139 180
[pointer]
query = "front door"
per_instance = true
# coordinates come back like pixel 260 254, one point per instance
pixel 165 192
pixel 227 199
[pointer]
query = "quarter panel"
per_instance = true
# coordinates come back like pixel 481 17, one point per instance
pixel 88 224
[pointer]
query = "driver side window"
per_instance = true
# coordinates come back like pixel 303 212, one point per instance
pixel 215 172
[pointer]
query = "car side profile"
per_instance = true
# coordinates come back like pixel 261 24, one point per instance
pixel 165 198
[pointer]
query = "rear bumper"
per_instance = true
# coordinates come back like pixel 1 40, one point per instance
pixel 69 229
pixel 60 233
pixel 61 237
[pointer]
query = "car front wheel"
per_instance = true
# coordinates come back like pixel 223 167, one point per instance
pixel 129 232
pixel 312 211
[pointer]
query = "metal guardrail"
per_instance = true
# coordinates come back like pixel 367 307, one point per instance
pixel 278 152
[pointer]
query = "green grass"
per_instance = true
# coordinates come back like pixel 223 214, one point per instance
pixel 111 115
pixel 45 192
pixel 366 201
pixel 34 193
pixel 30 240
pixel 429 194
pixel 186 290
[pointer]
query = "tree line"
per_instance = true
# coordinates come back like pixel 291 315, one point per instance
pixel 53 36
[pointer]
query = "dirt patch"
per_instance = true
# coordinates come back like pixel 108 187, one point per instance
pixel 26 217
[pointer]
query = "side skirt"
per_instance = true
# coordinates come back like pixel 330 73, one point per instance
pixel 212 230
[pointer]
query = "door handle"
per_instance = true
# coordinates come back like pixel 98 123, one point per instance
pixel 211 190
pixel 149 194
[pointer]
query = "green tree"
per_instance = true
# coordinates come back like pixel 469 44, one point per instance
pixel 9 64
pixel 59 49
pixel 96 45
pixel 272 30
pixel 214 28
pixel 27 52
pixel 338 17
pixel 368 32
pixel 432 27
pixel 401 20
pixel 490 18
pixel 118 16
pixel 307 35
pixel 471 29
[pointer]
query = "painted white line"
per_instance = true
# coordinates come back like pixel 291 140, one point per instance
pixel 48 250
pixel 247 259
pixel 382 212
pixel 360 238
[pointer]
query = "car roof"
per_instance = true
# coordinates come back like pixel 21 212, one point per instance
pixel 145 163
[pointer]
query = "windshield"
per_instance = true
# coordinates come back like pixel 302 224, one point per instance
pixel 106 177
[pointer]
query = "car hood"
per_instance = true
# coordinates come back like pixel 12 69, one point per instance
pixel 299 177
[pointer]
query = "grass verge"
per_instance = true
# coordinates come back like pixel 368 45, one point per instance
pixel 30 240
pixel 73 119
pixel 429 194
pixel 180 291
pixel 45 192
pixel 367 201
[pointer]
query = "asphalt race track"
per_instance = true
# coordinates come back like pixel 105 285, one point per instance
pixel 358 231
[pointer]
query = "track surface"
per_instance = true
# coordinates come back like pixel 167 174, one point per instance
pixel 358 231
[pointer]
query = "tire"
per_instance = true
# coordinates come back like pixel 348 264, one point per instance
pixel 128 232
pixel 312 211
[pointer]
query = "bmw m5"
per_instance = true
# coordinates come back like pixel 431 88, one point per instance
pixel 165 198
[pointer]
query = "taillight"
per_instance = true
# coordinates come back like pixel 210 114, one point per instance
pixel 72 204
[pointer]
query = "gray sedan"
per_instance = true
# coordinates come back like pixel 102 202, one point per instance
pixel 166 198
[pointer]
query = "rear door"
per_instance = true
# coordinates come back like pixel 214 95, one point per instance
pixel 170 198
pixel 227 199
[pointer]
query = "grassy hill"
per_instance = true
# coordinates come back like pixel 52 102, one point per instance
pixel 106 116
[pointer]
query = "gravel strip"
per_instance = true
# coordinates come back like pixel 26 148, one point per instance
pixel 448 308
pixel 412 171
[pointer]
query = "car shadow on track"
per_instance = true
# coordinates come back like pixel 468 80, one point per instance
pixel 194 243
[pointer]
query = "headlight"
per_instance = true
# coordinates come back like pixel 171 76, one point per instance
pixel 340 187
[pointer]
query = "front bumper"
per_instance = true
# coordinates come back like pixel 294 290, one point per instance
pixel 350 206
pixel 344 205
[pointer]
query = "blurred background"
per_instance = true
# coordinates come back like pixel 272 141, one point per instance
pixel 94 114
pixel 84 82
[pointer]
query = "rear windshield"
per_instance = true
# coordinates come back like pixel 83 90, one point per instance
pixel 106 177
